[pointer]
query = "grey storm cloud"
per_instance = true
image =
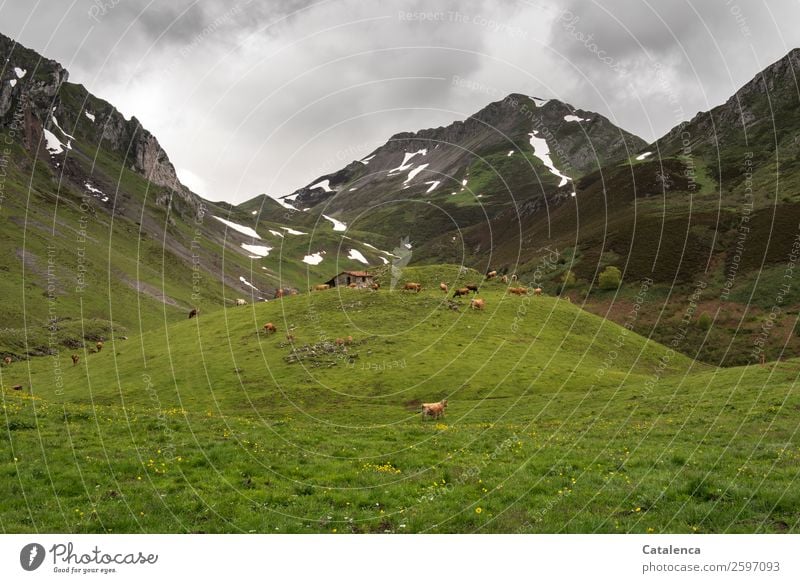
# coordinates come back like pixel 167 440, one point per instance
pixel 250 96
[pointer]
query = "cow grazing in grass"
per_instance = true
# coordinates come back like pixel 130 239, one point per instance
pixel 17 387
pixel 270 328
pixel 519 291
pixel 411 286
pixel 7 360
pixel 473 287
pixel 375 286
pixel 513 277
pixel 434 410
pixel 537 291
pixel 339 342
pixel 491 274
pixel 443 286
pixel 321 287
pixel 99 346
pixel 462 291
pixel 348 340
pixel 504 279
pixel 193 313
pixel 240 302
pixel 477 303
pixel 75 359
pixel 279 293
pixel 352 285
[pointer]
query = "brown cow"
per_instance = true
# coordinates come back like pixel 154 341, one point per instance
pixel 443 286
pixel 321 287
pixel 375 286
pixel 538 291
pixel 279 294
pixel 473 287
pixel 477 303
pixel 520 291
pixel 434 410
pixel 352 285
pixel 99 346
pixel 7 360
pixel 193 313
pixel 339 342
pixel 348 340
pixel 504 279
pixel 491 274
pixel 75 359
pixel 411 286
pixel 462 291
pixel 270 328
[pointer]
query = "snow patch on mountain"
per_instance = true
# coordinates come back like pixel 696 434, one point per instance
pixel 510 153
pixel 539 102
pixel 406 159
pixel 90 116
pixel 644 155
pixel 20 73
pixel 276 233
pixel 247 283
pixel 323 184
pixel 65 134
pixel 257 250
pixel 542 151
pixel 314 259
pixel 236 227
pixel 433 185
pixel 337 225
pixel 414 172
pixel 573 118
pixel 12 82
pixel 293 232
pixel 357 256
pixel 366 160
pixel 286 205
pixel 96 192
pixel 54 145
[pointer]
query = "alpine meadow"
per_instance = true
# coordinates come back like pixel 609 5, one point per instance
pixel 524 320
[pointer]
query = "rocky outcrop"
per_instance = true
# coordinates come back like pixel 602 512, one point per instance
pixel 34 100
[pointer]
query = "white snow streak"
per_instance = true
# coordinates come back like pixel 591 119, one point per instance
pixel 240 228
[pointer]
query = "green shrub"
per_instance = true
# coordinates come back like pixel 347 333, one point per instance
pixel 610 278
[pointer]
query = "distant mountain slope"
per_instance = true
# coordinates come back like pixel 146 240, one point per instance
pixel 713 203
pixel 514 148
pixel 97 225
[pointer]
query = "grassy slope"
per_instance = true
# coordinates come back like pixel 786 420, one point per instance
pixel 555 424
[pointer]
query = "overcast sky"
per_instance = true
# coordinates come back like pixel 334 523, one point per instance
pixel 253 96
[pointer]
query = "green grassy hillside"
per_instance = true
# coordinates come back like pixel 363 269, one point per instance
pixel 558 421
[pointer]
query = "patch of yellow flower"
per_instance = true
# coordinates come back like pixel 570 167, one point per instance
pixel 386 468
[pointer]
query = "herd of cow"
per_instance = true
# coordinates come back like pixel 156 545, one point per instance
pixel 432 410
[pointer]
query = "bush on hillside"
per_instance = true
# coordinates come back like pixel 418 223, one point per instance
pixel 610 278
